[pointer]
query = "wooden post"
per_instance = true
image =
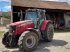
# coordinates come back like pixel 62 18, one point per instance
pixel 1 21
pixel 21 15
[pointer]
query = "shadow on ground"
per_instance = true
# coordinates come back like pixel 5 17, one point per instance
pixel 54 43
pixel 43 46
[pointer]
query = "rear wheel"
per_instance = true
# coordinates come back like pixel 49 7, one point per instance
pixel 28 41
pixel 49 32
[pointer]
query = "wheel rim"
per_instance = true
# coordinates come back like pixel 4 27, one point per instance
pixel 50 31
pixel 30 41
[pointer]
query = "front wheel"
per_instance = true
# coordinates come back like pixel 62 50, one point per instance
pixel 4 41
pixel 8 40
pixel 49 32
pixel 28 41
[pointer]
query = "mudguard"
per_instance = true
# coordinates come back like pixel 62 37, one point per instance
pixel 44 24
pixel 36 31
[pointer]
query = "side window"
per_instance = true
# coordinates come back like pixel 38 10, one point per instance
pixel 69 22
pixel 42 15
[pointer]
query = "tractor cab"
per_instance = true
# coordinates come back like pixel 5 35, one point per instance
pixel 36 15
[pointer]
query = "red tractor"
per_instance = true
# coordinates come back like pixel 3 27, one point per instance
pixel 27 33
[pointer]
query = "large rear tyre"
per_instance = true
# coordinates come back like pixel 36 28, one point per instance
pixel 28 41
pixel 49 32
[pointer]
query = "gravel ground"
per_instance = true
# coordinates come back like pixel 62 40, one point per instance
pixel 60 43
pixel 2 28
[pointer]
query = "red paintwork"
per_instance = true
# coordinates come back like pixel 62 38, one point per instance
pixel 22 26
pixel 44 23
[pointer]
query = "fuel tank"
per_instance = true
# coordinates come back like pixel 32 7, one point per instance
pixel 22 26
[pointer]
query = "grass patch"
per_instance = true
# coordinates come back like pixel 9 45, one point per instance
pixel 62 30
pixel 1 33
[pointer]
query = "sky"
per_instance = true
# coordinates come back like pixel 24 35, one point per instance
pixel 5 5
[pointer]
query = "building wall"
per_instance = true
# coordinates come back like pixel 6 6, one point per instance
pixel 4 21
pixel 67 20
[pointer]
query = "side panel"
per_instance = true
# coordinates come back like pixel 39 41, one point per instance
pixel 23 28
pixel 44 24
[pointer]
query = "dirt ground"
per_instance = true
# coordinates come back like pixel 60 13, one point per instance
pixel 60 43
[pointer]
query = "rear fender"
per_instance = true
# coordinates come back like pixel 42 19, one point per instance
pixel 44 24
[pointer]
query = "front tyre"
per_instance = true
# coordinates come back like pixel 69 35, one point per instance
pixel 28 41
pixel 49 32
pixel 4 41
pixel 9 40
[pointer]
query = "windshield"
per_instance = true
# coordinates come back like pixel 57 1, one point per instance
pixel 31 16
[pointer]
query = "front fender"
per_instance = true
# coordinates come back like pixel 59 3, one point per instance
pixel 44 24
pixel 37 31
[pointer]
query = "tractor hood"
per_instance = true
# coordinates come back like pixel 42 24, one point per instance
pixel 25 22
pixel 21 26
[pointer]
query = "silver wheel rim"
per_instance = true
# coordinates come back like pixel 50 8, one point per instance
pixel 30 41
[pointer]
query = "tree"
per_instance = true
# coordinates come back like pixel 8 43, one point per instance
pixel 6 15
